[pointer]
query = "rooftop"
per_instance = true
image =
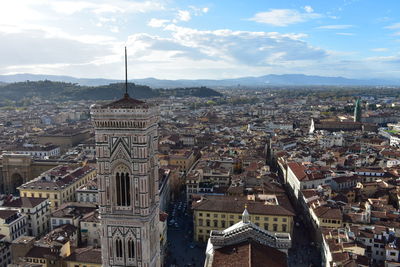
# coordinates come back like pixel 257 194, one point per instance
pixel 235 205
pixel 248 254
pixel 25 202
pixel 126 102
pixel 86 255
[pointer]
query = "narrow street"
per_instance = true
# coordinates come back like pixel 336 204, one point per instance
pixel 304 252
pixel 182 251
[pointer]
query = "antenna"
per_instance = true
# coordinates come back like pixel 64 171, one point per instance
pixel 126 75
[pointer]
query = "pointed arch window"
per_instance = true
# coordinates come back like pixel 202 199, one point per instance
pixel 131 248
pixel 122 187
pixel 118 248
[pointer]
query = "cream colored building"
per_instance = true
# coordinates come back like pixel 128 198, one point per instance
pixel 221 212
pixel 90 229
pixel 58 184
pixel 70 213
pixel 12 224
pixel 37 212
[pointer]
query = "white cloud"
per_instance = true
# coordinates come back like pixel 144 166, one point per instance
pixel 38 47
pixel 19 12
pixel 68 8
pixel 345 33
pixel 380 49
pixel 393 26
pixel 156 23
pixel 308 9
pixel 183 15
pixel 283 17
pixel 387 59
pixel 102 6
pixel 114 29
pixel 237 47
pixel 61 37
pixel 198 11
pixel 336 27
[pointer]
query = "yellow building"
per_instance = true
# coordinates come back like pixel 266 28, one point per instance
pixel 183 159
pixel 58 184
pixel 328 217
pixel 48 256
pixel 272 213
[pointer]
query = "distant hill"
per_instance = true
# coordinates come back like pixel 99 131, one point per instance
pixel 67 91
pixel 262 81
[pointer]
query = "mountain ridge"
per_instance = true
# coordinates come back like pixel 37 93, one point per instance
pixel 250 81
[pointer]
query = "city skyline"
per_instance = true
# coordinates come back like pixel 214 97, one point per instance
pixel 200 39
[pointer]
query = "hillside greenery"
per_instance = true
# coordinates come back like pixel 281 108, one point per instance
pixel 21 92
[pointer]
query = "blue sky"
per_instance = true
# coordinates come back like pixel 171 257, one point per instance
pixel 201 39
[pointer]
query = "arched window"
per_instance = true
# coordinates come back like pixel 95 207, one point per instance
pixel 118 187
pixel 122 186
pixel 118 248
pixel 131 249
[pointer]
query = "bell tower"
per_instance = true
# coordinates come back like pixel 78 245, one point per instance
pixel 126 147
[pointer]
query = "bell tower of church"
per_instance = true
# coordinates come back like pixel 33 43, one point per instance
pixel 127 172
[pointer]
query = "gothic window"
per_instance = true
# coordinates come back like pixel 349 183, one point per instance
pixel 122 187
pixel 131 249
pixel 118 187
pixel 118 248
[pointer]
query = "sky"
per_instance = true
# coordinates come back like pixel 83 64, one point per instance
pixel 202 39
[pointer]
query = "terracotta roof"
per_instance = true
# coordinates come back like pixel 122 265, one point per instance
pixel 326 212
pixel 25 202
pixel 236 205
pixel 345 179
pixel 74 210
pixel 340 256
pixel 86 255
pixel 5 214
pixel 126 102
pixel 43 252
pixel 308 173
pixel 249 254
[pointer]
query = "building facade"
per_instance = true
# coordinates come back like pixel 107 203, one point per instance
pixel 12 224
pixel 58 184
pixel 219 213
pixel 246 244
pixel 126 147
pixel 37 212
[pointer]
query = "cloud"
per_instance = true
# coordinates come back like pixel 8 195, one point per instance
pixel 380 49
pixel 18 12
pixel 386 59
pixel 35 47
pixel 103 6
pixel 183 15
pixel 393 26
pixel 283 17
pixel 345 33
pixel 308 9
pixel 336 27
pixel 157 23
pixel 237 47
